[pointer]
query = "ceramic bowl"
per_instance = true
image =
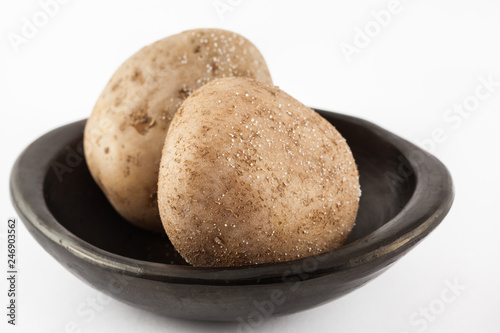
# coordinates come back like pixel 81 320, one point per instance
pixel 406 194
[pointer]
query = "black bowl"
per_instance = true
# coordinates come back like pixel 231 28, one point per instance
pixel 406 194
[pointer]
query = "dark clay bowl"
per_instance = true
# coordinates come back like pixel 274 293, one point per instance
pixel 406 194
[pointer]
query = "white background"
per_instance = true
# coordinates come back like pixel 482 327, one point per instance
pixel 430 56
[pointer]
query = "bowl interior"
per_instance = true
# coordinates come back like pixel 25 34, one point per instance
pixel 80 206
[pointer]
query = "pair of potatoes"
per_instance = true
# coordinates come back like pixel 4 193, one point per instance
pixel 191 137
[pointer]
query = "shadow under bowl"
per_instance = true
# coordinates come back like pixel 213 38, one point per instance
pixel 406 194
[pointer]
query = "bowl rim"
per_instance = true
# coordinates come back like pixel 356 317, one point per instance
pixel 430 202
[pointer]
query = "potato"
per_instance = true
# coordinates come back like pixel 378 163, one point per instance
pixel 124 135
pixel 250 175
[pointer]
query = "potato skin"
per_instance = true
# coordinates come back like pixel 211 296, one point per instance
pixel 124 135
pixel 250 175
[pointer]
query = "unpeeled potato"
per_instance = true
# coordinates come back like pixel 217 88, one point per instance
pixel 124 135
pixel 250 175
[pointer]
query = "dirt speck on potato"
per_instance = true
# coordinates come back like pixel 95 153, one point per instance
pixel 137 76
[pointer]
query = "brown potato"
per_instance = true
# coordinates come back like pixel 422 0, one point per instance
pixel 250 175
pixel 126 131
